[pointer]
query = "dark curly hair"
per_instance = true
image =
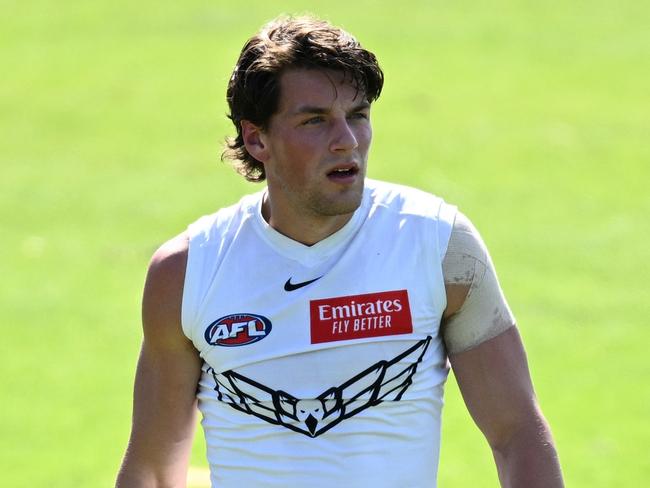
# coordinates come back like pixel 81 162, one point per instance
pixel 284 43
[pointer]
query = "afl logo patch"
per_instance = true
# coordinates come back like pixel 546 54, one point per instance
pixel 238 329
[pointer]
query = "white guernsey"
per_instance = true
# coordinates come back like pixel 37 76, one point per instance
pixel 320 385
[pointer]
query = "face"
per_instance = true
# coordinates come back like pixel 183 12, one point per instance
pixel 315 148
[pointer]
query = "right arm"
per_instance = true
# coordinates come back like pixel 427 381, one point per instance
pixel 167 375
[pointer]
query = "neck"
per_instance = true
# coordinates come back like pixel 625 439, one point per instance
pixel 306 229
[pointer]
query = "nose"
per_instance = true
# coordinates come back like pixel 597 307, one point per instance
pixel 343 137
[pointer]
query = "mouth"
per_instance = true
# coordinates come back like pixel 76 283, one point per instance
pixel 343 173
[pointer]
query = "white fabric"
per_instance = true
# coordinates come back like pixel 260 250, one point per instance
pixel 485 312
pixel 238 264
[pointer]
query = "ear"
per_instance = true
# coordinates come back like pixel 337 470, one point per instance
pixel 254 141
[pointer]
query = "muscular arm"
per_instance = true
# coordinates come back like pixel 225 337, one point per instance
pixel 167 375
pixel 489 362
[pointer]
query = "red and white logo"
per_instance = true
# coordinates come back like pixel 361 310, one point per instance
pixel 237 330
pixel 360 316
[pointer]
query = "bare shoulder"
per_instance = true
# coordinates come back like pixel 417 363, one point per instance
pixel 163 292
pixel 171 257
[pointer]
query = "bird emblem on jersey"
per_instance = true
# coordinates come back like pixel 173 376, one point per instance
pixel 383 381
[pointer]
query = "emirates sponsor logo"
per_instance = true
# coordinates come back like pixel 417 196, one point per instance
pixel 360 316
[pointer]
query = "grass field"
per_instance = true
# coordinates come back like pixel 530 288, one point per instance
pixel 534 118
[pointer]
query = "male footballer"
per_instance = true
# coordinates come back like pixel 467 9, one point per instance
pixel 315 321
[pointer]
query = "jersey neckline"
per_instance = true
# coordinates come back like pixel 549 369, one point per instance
pixel 307 255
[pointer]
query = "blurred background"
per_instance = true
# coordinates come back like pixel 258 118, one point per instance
pixel 532 117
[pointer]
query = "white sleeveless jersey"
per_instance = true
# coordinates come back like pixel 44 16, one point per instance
pixel 323 365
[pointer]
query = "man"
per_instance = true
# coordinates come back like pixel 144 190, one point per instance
pixel 314 320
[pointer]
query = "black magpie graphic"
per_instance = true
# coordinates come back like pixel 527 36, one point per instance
pixel 383 381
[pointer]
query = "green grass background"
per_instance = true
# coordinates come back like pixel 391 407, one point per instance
pixel 533 117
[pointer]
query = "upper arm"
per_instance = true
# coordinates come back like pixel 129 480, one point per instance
pixel 486 352
pixel 167 376
pixel 477 309
pixel 495 383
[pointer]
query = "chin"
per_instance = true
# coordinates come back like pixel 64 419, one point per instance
pixel 339 206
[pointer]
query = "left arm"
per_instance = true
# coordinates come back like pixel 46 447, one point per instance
pixel 495 383
pixel 489 362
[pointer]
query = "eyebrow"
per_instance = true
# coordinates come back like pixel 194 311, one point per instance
pixel 312 109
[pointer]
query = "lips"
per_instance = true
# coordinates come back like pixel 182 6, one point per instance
pixel 343 172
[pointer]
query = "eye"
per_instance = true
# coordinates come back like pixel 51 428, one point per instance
pixel 314 120
pixel 359 116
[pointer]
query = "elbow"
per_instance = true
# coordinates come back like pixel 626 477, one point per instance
pixel 530 429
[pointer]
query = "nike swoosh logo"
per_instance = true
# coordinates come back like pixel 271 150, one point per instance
pixel 288 286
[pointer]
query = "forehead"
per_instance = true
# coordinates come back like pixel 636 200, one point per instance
pixel 316 88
